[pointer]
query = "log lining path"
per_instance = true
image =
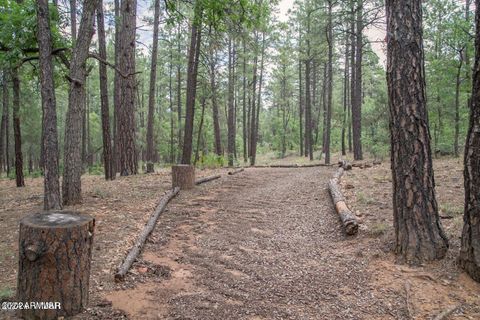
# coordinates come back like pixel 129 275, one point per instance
pixel 263 244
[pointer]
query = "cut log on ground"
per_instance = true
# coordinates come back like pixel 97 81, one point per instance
pixel 292 165
pixel 135 250
pixel 231 173
pixel 183 176
pixel 349 221
pixel 207 179
pixel 55 250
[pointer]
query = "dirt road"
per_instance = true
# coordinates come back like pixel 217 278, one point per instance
pixel 263 244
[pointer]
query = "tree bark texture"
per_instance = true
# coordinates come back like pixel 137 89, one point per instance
pixel 419 235
pixel 469 259
pixel 183 176
pixel 357 97
pixel 52 199
pixel 151 96
pixel 16 130
pixel 231 115
pixel 3 124
pixel 108 162
pixel 126 123
pixel 193 58
pixel 72 187
pixel 55 251
pixel 213 85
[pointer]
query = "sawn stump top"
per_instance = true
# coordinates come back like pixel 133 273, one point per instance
pixel 56 219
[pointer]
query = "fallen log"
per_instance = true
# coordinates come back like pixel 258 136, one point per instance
pixel 349 221
pixel 207 179
pixel 292 165
pixel 231 173
pixel 446 313
pixel 135 250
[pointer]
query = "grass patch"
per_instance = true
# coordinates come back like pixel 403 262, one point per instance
pixel 364 199
pixel 98 192
pixel 5 293
pixel 379 229
pixel 451 209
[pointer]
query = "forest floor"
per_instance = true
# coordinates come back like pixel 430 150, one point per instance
pixel 262 244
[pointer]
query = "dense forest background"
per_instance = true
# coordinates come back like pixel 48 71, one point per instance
pixel 314 73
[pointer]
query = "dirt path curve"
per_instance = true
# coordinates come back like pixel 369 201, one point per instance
pixel 263 244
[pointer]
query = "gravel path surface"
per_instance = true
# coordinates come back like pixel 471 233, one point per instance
pixel 263 244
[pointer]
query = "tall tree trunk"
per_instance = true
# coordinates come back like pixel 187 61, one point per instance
pixel 179 95
pixel 52 199
pixel 213 85
pixel 16 130
pixel 4 124
pixel 470 244
pixel 244 102
pixel 253 102
pixel 108 162
pixel 346 81
pixel 73 21
pixel 200 128
pixel 116 90
pixel 300 105
pixel 170 99
pixel 259 104
pixel 126 122
pixel 329 82
pixel 419 235
pixel 357 102
pixel 71 186
pixel 308 105
pixel 353 77
pixel 193 58
pixel 458 82
pixel 231 118
pixel 151 96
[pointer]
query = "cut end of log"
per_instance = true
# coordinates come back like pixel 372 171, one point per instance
pixel 56 219
pixel 231 173
pixel 351 228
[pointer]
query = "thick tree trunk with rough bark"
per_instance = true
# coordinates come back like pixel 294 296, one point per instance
pixel 346 81
pixel 231 118
pixel 419 235
pixel 183 176
pixel 300 106
pixel 52 199
pixel 151 96
pixel 126 116
pixel 193 59
pixel 72 187
pixel 55 250
pixel 213 85
pixel 116 89
pixel 329 83
pixel 3 121
pixel 469 259
pixel 259 104
pixel 108 162
pixel 357 97
pixel 244 102
pixel 16 130
pixel 252 108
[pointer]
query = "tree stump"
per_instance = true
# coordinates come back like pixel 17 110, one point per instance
pixel 183 176
pixel 55 250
